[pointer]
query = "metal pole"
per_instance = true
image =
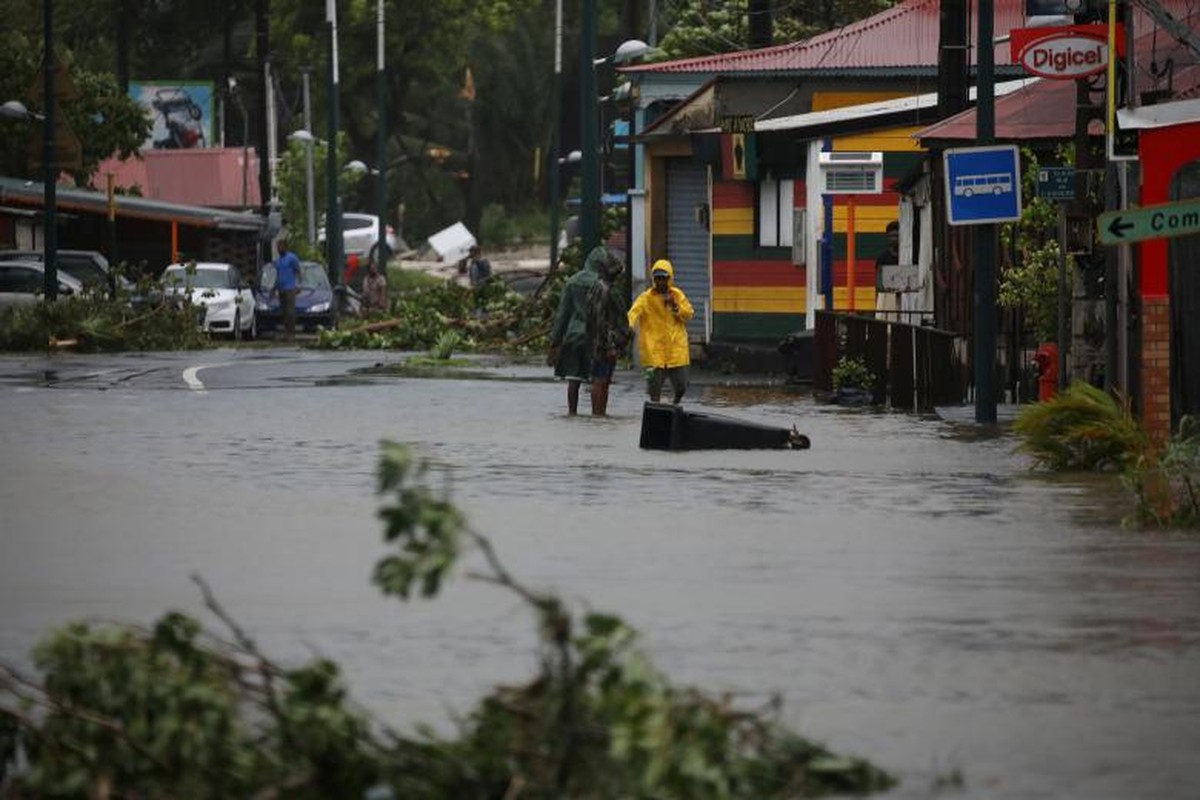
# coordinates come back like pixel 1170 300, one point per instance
pixel 590 185
pixel 1062 296
pixel 333 218
pixel 381 139
pixel 49 156
pixel 985 235
pixel 309 187
pixel 556 117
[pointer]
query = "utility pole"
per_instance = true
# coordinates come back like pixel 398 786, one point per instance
pixel 261 17
pixel 589 212
pixel 49 157
pixel 985 235
pixel 556 123
pixel 381 142
pixel 333 214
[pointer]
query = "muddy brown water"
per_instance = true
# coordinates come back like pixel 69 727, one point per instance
pixel 912 592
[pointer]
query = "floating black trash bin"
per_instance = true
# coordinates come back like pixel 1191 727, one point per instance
pixel 668 427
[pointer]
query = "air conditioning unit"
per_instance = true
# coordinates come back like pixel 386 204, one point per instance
pixel 851 172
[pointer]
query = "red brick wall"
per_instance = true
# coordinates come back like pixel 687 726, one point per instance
pixel 1156 367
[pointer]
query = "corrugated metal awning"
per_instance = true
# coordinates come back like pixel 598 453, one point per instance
pixel 31 194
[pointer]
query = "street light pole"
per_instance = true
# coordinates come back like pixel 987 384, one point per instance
pixel 333 215
pixel 50 198
pixel 309 191
pixel 985 235
pixel 589 216
pixel 556 115
pixel 381 143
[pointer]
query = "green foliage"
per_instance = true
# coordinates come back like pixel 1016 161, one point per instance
pixel 95 323
pixel 103 119
pixel 704 27
pixel 443 348
pixel 488 316
pixel 293 187
pixel 852 373
pixel 1030 282
pixel 173 711
pixel 1080 428
pixel 1085 428
pixel 1166 483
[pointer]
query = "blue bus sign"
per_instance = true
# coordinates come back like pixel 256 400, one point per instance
pixel 983 184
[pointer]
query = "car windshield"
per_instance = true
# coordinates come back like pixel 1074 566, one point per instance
pixel 312 276
pixel 199 279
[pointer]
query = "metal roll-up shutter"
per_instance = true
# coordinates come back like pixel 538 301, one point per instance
pixel 687 237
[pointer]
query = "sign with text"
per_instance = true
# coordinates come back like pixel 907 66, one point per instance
pixel 900 278
pixel 1064 52
pixel 1056 183
pixel 983 184
pixel 1150 222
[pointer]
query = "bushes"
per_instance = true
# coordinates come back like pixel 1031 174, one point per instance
pixel 1081 428
pixel 1084 428
pixel 94 324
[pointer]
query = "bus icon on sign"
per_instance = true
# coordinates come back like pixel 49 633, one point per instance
pixel 982 184
pixel 994 183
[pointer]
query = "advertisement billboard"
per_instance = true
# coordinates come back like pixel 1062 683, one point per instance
pixel 180 112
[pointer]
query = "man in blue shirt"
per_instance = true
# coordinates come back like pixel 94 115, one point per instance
pixel 287 283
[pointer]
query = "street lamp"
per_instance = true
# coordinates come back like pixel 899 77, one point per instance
pixel 305 136
pixel 626 51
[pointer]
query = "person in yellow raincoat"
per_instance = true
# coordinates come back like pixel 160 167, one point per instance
pixel 661 313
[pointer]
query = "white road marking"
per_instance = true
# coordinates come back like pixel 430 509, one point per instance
pixel 193 382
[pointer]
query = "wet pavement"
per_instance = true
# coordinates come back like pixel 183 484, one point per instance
pixel 913 593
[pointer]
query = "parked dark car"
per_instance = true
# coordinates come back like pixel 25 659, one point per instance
pixel 315 302
pixel 89 267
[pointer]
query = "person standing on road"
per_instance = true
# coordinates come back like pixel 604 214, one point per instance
pixel 607 327
pixel 569 354
pixel 661 314
pixel 375 293
pixel 479 269
pixel 887 302
pixel 287 284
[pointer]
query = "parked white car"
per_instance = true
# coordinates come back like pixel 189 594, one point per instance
pixel 23 283
pixel 360 232
pixel 218 288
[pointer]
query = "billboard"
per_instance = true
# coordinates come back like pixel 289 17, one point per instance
pixel 180 113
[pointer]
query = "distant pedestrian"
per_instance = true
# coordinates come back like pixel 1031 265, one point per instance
pixel 887 303
pixel 479 269
pixel 607 326
pixel 375 292
pixel 661 314
pixel 287 284
pixel 569 353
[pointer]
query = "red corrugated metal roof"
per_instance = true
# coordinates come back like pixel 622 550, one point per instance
pixel 905 35
pixel 211 176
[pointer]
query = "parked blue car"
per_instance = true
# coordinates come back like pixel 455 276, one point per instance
pixel 318 305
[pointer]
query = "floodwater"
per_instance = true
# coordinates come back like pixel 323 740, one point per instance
pixel 912 592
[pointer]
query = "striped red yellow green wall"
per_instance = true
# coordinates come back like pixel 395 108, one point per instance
pixel 757 293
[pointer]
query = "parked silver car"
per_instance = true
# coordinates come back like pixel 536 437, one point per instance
pixel 24 283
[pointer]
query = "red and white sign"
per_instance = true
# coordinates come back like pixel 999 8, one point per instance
pixel 1064 53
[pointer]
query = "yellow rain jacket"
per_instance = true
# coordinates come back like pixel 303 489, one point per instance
pixel 662 335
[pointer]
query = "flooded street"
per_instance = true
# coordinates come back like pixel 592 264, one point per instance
pixel 910 590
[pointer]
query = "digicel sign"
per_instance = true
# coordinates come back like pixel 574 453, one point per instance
pixel 1066 53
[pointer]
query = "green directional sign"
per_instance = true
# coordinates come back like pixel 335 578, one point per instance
pixel 1149 222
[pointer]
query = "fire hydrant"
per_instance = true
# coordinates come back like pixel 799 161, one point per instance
pixel 1046 360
